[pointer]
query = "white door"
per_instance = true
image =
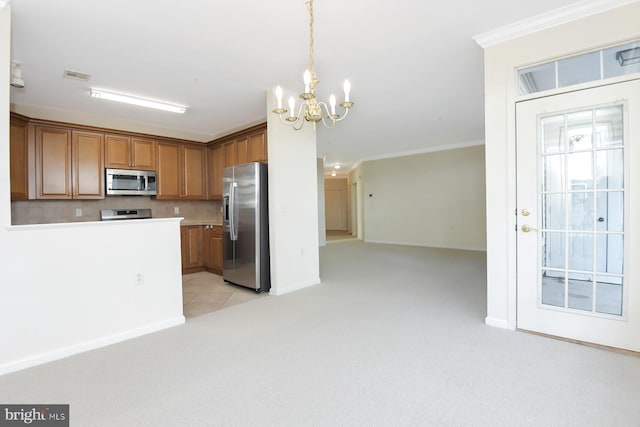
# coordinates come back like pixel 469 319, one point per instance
pixel 335 209
pixel 578 172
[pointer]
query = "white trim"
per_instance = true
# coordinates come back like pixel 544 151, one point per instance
pixel 423 150
pixel 61 353
pixel 278 291
pixel 59 225
pixel 458 248
pixel 546 20
pixel 497 323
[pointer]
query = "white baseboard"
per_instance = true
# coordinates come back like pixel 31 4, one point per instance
pixel 421 245
pixel 280 290
pixel 497 323
pixel 61 353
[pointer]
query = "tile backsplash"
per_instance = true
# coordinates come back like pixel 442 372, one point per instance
pixel 50 211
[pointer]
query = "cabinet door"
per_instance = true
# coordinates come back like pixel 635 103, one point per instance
pixel 192 255
pixel 216 249
pixel 143 154
pixel 206 247
pixel 117 151
pixel 194 166
pixel 88 165
pixel 18 160
pixel 216 165
pixel 169 172
pixel 230 157
pixel 53 163
pixel 242 153
pixel 258 147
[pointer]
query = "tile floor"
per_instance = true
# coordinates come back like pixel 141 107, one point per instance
pixel 205 292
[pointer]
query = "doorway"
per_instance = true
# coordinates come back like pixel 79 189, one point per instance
pixel 576 197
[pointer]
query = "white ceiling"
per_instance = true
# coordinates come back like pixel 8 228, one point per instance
pixel 416 73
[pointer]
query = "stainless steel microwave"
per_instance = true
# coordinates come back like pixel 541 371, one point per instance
pixel 125 182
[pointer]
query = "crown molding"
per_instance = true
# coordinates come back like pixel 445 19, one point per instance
pixel 560 16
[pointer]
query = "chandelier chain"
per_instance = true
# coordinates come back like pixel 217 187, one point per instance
pixel 312 110
pixel 310 9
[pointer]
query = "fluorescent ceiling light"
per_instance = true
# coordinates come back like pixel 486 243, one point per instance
pixel 135 100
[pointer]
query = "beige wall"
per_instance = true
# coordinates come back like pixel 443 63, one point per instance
pixel 501 61
pixel 432 199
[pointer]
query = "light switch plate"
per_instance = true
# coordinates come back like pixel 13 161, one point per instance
pixel 176 210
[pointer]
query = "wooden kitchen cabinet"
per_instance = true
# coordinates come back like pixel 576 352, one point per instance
pixel 191 248
pixel 19 159
pixel 213 249
pixel 69 164
pixel 242 150
pixel 230 154
pixel 257 147
pixel 124 152
pixel 194 169
pixel 88 165
pixel 181 172
pixel 216 166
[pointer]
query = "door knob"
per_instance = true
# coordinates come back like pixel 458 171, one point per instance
pixel 525 212
pixel 527 228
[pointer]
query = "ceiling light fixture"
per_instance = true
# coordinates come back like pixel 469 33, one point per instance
pixel 628 56
pixel 135 100
pixel 333 173
pixel 311 110
pixel 337 166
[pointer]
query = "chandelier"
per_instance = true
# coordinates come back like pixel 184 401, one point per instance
pixel 311 110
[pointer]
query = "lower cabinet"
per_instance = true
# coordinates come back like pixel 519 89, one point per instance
pixel 213 249
pixel 201 248
pixel 191 247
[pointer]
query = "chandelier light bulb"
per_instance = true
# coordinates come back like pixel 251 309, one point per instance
pixel 307 80
pixel 347 90
pixel 332 103
pixel 279 96
pixel 292 106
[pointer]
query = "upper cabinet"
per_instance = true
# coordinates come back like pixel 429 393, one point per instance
pixel 257 146
pixel 216 165
pixel 124 152
pixel 51 160
pixel 69 164
pixel 182 171
pixel 245 147
pixel 19 159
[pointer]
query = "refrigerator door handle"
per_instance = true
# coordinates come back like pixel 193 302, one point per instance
pixel 233 212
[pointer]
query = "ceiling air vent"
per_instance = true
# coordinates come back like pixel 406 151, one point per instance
pixel 76 75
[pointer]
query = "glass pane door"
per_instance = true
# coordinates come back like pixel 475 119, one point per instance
pixel 582 206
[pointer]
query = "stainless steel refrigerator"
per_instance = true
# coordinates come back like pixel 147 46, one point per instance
pixel 246 226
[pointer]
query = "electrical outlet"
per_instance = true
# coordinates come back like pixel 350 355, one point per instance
pixel 139 279
pixel 78 211
pixel 176 210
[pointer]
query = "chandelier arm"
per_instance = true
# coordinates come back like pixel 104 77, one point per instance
pixel 327 113
pixel 346 112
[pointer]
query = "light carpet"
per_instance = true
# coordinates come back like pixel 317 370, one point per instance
pixel 394 336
